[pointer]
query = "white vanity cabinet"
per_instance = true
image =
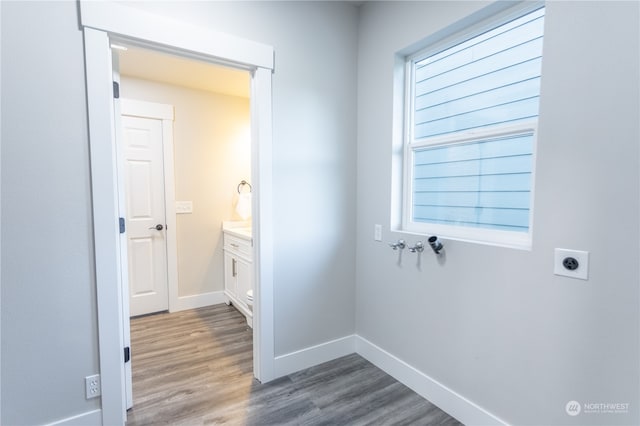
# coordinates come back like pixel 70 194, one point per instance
pixel 238 270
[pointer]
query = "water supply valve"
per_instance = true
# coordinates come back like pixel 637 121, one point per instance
pixel 398 245
pixel 418 247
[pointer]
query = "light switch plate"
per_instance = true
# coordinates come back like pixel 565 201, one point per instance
pixel 377 232
pixel 184 207
pixel 582 258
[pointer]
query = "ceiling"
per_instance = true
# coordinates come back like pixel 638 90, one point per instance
pixel 166 68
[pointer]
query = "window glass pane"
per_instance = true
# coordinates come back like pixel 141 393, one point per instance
pixel 487 35
pixel 510 112
pixel 492 79
pixel 502 39
pixel 483 95
pixel 485 183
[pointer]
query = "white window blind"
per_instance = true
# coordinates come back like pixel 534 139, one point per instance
pixel 472 129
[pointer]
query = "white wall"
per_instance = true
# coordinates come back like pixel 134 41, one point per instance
pixel 49 331
pixel 212 154
pixel 495 324
pixel 49 321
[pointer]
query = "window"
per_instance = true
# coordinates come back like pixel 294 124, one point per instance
pixel 471 117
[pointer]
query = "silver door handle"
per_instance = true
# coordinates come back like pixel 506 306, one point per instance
pixel 158 227
pixel 233 268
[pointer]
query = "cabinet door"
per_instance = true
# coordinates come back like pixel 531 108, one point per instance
pixel 230 273
pixel 243 282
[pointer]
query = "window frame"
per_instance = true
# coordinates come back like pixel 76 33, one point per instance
pixel 487 22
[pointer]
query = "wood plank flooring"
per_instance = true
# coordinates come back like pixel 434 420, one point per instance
pixel 195 368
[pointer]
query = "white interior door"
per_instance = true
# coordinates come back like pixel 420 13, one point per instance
pixel 145 215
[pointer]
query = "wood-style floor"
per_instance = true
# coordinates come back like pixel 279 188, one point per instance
pixel 195 368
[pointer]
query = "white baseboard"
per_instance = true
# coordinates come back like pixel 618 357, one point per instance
pixel 85 419
pixel 314 355
pixel 446 399
pixel 198 301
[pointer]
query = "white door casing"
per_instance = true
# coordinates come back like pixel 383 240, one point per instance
pixel 145 219
pixel 103 22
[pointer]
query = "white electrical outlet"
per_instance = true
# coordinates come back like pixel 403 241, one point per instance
pixel 92 386
pixel 377 232
pixel 571 263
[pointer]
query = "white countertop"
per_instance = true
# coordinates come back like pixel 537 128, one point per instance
pixel 238 229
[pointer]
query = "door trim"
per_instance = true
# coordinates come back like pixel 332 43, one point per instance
pixel 103 22
pixel 164 113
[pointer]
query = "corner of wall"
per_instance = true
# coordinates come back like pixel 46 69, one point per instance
pixel 314 355
pixel 435 392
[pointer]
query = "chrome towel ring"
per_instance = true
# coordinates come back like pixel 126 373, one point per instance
pixel 242 184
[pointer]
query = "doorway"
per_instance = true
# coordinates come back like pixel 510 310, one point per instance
pixel 103 24
pixel 185 135
pixel 206 157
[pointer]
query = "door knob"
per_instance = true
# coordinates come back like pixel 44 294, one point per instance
pixel 158 227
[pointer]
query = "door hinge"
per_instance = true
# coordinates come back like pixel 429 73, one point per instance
pixel 121 222
pixel 116 90
pixel 127 354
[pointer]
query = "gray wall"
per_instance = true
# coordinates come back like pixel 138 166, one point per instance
pixel 49 334
pixel 495 324
pixel 49 320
